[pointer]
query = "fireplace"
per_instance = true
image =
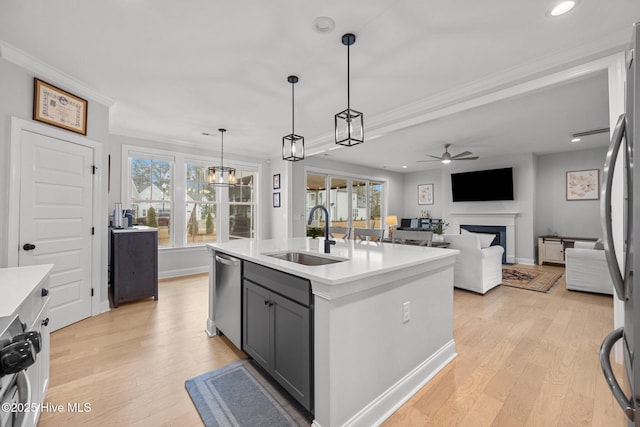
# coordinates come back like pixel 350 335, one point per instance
pixel 492 219
pixel 500 231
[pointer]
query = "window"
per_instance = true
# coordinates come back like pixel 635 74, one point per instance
pixel 151 195
pixel 201 206
pixel 156 181
pixel 242 206
pixel 352 202
pixel 316 195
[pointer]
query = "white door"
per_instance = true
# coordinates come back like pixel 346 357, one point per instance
pixel 56 211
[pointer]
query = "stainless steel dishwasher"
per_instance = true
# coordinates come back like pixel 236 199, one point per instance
pixel 228 271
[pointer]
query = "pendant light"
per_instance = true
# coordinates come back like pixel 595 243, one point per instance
pixel 349 124
pixel 221 176
pixel 292 144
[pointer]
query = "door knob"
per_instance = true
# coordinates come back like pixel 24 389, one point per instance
pixel 29 246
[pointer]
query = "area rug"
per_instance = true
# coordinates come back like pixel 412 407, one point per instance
pixel 240 395
pixel 530 279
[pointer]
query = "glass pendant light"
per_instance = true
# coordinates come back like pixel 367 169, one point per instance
pixel 221 176
pixel 349 124
pixel 292 144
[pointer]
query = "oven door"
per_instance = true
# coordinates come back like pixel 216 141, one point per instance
pixel 18 398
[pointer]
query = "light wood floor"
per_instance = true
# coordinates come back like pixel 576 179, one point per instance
pixel 524 358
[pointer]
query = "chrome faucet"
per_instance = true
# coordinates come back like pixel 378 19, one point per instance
pixel 327 241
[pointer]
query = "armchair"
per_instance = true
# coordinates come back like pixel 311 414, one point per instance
pixel 586 269
pixel 476 268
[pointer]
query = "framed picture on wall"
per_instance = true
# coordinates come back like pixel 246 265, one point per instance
pixel 276 181
pixel 276 200
pixel 59 108
pixel 425 194
pixel 583 185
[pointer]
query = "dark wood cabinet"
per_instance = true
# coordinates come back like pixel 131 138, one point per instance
pixel 133 266
pixel 278 329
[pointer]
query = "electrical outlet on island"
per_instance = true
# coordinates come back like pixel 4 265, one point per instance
pixel 406 312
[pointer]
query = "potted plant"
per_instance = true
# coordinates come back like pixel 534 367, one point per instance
pixel 314 233
pixel 438 230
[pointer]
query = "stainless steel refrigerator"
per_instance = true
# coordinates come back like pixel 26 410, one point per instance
pixel 623 280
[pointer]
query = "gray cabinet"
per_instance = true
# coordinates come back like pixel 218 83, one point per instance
pixel 133 264
pixel 277 328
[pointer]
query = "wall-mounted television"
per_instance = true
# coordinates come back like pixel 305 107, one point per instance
pixel 484 185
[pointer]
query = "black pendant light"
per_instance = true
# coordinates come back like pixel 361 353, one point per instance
pixel 349 124
pixel 221 176
pixel 292 144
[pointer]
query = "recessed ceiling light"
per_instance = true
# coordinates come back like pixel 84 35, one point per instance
pixel 404 166
pixel 575 139
pixel 323 24
pixel 562 8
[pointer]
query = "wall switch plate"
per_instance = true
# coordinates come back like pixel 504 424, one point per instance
pixel 406 312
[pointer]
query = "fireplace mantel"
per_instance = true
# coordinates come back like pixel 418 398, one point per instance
pixel 506 219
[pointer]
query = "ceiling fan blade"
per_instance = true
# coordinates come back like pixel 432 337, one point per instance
pixel 464 153
pixel 468 158
pixel 435 157
pixel 434 160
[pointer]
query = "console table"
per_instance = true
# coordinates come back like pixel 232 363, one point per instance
pixel 551 248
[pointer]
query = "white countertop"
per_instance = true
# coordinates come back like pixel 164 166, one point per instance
pixel 365 259
pixel 16 283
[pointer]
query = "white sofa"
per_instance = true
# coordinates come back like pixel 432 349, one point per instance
pixel 477 268
pixel 586 269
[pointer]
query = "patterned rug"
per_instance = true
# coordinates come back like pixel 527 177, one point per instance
pixel 239 395
pixel 529 278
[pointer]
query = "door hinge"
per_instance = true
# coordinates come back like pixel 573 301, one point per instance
pixel 91 291
pixel 93 231
pixel 93 168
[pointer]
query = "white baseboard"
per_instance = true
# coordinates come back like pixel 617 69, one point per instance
pixel 381 408
pixel 104 307
pixel 525 261
pixel 182 272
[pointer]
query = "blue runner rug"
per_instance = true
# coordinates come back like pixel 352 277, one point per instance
pixel 239 395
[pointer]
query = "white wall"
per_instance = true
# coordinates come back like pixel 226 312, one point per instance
pixel 16 100
pixel 279 224
pixel 411 208
pixel 394 191
pixel 554 214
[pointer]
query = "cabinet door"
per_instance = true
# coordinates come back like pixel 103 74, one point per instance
pixel 291 359
pixel 255 340
pixel 554 252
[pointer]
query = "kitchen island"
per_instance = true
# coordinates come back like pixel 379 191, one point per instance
pixel 382 321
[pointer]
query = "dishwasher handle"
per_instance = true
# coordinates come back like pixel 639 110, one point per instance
pixel 227 261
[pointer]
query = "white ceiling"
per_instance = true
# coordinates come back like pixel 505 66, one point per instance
pixel 177 69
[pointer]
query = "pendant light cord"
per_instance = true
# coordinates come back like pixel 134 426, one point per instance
pixel 221 152
pixel 348 84
pixel 293 113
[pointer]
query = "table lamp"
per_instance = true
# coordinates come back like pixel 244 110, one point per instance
pixel 391 220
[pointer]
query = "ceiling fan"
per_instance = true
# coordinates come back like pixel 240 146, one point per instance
pixel 447 157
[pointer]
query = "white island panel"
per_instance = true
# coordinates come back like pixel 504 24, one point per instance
pixel 368 361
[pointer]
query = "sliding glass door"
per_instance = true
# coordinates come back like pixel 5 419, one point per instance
pixel 351 202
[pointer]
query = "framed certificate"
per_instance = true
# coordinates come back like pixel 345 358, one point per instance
pixel 59 108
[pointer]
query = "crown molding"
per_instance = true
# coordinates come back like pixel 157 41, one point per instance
pixel 130 133
pixel 51 74
pixel 535 74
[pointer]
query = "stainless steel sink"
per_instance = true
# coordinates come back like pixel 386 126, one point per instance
pixel 305 258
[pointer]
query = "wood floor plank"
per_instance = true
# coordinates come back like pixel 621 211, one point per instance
pixel 525 358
